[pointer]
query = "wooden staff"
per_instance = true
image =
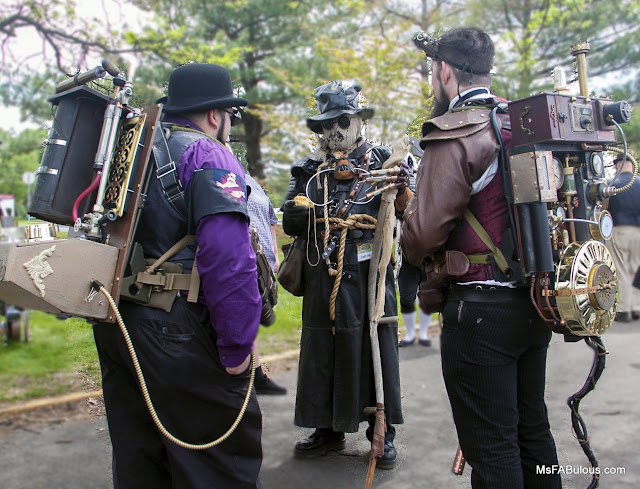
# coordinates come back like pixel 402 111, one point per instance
pixel 380 257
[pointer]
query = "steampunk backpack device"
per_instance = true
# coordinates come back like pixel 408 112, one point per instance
pixel 92 178
pixel 559 191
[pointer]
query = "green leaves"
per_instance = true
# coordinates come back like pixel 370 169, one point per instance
pixel 18 154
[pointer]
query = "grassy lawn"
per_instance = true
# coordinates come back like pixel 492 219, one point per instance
pixel 284 334
pixel 55 360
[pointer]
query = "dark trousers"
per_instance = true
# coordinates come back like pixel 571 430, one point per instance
pixel 493 362
pixel 409 278
pixel 194 397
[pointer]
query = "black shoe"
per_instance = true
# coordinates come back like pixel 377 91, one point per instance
pixel 406 342
pixel 623 317
pixel 426 342
pixel 319 444
pixel 635 315
pixel 264 385
pixel 388 460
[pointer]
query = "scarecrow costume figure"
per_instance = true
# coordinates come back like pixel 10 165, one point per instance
pixel 334 217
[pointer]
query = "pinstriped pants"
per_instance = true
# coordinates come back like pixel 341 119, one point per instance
pixel 493 362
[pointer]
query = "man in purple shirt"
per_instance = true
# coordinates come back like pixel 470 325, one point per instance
pixel 196 357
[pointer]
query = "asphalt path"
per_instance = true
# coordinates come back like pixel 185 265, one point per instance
pixel 75 453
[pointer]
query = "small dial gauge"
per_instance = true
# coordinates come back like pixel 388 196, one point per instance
pixel 597 164
pixel 558 173
pixel 560 212
pixel 606 224
pixel 604 229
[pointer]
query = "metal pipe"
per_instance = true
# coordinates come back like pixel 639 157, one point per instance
pixel 88 76
pixel 122 99
pixel 81 79
pixel 579 51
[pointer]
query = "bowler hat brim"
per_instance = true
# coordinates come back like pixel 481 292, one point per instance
pixel 315 123
pixel 220 103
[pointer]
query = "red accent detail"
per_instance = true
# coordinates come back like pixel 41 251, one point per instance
pixel 83 195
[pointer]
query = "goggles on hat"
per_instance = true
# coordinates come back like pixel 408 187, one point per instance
pixel 431 47
pixel 343 122
pixel 427 43
pixel 236 115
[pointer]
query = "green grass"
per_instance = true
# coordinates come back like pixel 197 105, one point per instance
pixel 55 360
pixel 284 334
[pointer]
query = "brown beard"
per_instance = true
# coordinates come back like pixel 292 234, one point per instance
pixel 221 130
pixel 440 106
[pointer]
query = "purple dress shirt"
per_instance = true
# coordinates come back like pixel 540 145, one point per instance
pixel 225 259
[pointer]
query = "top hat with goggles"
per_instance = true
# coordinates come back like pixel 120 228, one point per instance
pixel 459 48
pixel 334 100
pixel 198 87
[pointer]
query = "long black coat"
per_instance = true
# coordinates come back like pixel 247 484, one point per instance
pixel 335 376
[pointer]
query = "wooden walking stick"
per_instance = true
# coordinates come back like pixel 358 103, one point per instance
pixel 380 257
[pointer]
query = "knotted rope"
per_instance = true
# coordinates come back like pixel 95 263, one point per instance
pixel 354 221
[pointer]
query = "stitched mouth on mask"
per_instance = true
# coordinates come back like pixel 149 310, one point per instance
pixel 337 137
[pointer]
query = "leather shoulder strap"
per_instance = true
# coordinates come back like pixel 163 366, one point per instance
pixel 486 239
pixel 167 173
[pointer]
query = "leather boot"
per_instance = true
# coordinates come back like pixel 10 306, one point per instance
pixel 321 442
pixel 388 460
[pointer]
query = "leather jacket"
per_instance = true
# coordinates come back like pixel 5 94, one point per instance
pixel 458 148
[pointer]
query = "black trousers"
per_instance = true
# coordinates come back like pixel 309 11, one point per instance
pixel 194 397
pixel 493 362
pixel 409 278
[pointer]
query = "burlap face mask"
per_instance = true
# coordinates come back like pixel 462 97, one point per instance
pixel 339 139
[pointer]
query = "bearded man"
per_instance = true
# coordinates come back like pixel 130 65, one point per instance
pixel 493 343
pixel 335 375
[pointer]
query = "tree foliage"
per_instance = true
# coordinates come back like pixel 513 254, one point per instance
pixel 278 51
pixel 266 44
pixel 19 154
pixel 381 56
pixel 532 37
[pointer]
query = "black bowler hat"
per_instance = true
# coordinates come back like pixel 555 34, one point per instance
pixel 198 87
pixel 333 100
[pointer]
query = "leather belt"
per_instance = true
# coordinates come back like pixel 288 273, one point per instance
pixel 487 294
pixel 352 234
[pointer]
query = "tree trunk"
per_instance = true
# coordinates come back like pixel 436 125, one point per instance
pixel 252 134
